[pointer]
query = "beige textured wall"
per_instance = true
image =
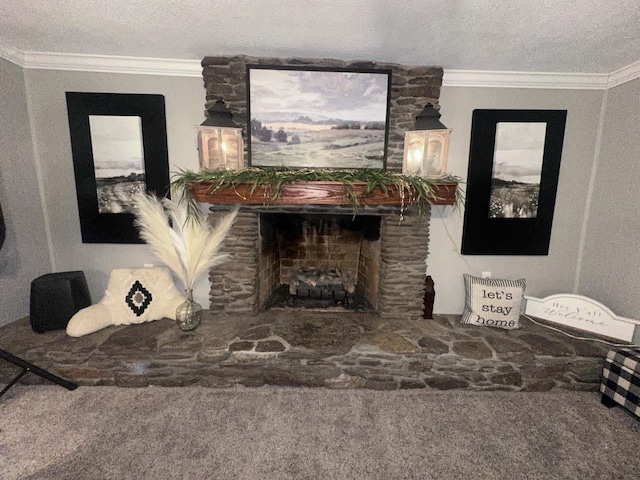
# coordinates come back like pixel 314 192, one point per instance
pixel 610 268
pixel 545 275
pixel 25 253
pixel 184 100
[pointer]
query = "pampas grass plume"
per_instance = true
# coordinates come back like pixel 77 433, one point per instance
pixel 188 246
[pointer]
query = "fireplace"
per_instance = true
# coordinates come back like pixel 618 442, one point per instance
pixel 319 261
pixel 384 256
pixel 380 254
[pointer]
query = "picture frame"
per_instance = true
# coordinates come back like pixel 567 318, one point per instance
pixel 119 148
pixel 317 117
pixel 514 164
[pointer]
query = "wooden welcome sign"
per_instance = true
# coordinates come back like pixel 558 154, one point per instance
pixel 583 313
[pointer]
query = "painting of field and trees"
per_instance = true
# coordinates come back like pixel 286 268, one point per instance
pixel 318 118
pixel 517 168
pixel 118 159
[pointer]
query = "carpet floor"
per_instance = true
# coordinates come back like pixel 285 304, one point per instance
pixel 158 433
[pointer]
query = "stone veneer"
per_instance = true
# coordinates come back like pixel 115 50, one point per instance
pixel 312 349
pixel 412 87
pixel 243 284
pixel 234 284
pixel 403 248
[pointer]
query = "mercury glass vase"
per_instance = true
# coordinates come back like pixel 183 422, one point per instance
pixel 188 313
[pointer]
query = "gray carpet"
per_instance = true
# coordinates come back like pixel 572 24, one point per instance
pixel 94 433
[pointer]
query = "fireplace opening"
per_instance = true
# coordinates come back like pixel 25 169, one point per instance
pixel 319 261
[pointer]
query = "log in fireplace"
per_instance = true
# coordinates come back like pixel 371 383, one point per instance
pixel 324 261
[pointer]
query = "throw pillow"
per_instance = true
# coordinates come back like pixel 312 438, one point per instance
pixel 134 295
pixel 492 302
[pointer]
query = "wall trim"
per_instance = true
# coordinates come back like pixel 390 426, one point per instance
pixel 624 75
pixel 565 81
pixel 101 63
pixel 11 54
pixel 112 64
pixel 193 68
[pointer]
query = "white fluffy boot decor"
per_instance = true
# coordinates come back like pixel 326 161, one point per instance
pixel 134 295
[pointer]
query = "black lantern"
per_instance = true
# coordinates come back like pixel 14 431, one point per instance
pixel 220 141
pixel 426 146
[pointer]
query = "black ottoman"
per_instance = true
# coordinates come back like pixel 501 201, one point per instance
pixel 55 298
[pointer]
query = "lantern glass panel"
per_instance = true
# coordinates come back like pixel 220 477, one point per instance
pixel 413 152
pixel 220 148
pixel 425 152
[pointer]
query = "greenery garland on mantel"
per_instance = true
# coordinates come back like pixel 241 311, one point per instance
pixel 413 189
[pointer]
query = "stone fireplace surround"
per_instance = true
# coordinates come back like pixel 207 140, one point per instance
pixel 243 284
pixel 390 270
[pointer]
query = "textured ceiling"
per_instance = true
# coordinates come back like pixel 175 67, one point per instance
pixel 586 36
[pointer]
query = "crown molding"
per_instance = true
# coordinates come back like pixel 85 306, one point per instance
pixel 484 79
pixel 192 68
pixel 112 64
pixel 11 54
pixel 624 75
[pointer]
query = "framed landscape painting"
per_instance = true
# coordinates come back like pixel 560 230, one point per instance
pixel 314 117
pixel 119 148
pixel 514 163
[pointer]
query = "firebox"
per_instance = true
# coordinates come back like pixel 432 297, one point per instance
pixel 319 261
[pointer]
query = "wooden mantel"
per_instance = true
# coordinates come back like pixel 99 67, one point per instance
pixel 317 193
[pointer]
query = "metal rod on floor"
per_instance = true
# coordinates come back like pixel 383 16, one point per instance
pixel 30 367
pixel 13 382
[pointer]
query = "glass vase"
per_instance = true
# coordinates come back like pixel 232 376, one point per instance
pixel 188 313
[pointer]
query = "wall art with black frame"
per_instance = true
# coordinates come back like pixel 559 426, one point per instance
pixel 317 117
pixel 514 163
pixel 119 147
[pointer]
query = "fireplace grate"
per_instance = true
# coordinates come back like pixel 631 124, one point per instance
pixel 282 298
pixel 337 292
pixel 321 283
pixel 335 295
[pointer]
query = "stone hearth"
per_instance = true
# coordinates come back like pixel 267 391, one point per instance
pixel 312 349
